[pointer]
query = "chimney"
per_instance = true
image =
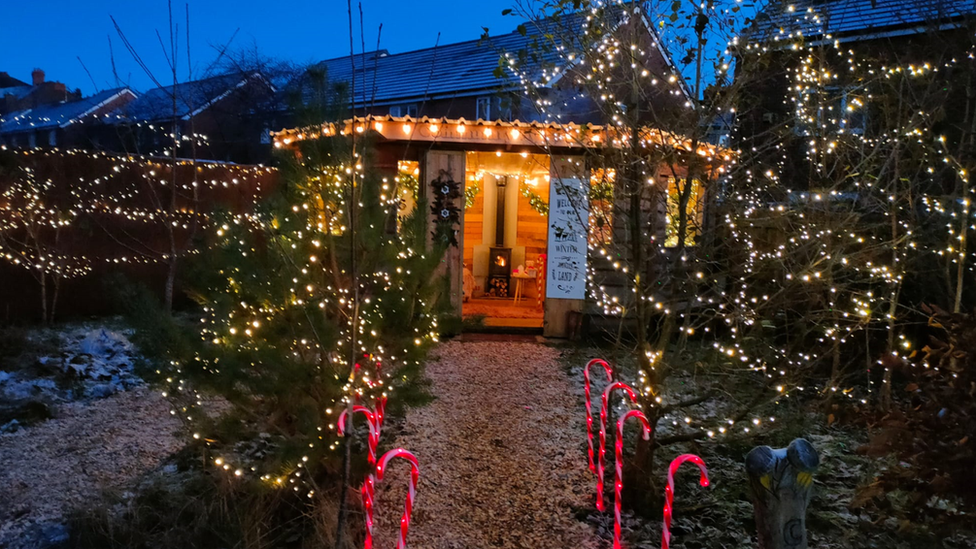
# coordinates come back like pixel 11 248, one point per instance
pixel 38 76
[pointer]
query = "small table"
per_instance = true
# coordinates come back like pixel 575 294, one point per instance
pixel 519 283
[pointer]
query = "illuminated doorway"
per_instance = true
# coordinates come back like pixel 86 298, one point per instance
pixel 505 235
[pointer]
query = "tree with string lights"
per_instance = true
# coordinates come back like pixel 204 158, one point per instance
pixel 34 215
pixel 312 304
pixel 785 271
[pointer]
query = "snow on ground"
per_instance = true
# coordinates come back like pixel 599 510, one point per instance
pixel 78 362
pixel 499 453
pixel 106 429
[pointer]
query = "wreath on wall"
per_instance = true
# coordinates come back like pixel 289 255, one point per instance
pixel 446 214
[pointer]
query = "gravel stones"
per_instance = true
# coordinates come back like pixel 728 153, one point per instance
pixel 66 462
pixel 500 451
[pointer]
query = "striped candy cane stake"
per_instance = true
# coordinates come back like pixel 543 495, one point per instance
pixel 374 431
pixel 380 410
pixel 411 489
pixel 669 490
pixel 589 413
pixel 368 483
pixel 603 436
pixel 618 484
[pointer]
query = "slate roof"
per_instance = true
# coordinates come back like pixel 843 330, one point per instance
pixel 7 81
pixel 17 91
pixel 463 68
pixel 847 20
pixel 191 97
pixel 58 115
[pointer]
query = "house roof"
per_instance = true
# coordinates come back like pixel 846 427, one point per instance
pixel 17 91
pixel 7 81
pixel 191 97
pixel 849 20
pixel 463 68
pixel 58 115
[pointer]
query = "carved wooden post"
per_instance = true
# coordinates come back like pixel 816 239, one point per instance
pixel 782 482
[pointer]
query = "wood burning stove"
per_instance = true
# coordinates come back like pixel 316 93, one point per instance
pixel 499 257
pixel 499 271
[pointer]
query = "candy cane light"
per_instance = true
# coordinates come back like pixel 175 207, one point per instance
pixel 669 490
pixel 411 489
pixel 618 482
pixel 605 404
pixel 369 483
pixel 589 413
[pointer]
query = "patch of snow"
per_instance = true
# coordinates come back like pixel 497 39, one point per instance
pixel 90 362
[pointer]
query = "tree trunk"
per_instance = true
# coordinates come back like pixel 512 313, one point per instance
pixel 43 280
pixel 170 282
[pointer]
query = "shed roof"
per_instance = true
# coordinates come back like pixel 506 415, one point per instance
pixel 851 20
pixel 544 136
pixel 59 115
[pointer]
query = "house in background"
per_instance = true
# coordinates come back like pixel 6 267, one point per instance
pixel 71 124
pixel 223 118
pixel 16 95
pixel 886 32
pixel 468 80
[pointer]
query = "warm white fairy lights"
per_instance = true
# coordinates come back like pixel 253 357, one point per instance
pixel 311 241
pixel 41 205
pixel 845 250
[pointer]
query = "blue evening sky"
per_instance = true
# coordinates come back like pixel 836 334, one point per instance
pixel 52 34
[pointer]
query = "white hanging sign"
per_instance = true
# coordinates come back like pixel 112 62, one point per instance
pixel 568 220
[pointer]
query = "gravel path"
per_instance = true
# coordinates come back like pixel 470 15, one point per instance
pixel 500 454
pixel 48 469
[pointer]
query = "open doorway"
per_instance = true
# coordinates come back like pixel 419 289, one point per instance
pixel 505 236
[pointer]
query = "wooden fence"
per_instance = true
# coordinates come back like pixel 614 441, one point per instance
pixel 80 215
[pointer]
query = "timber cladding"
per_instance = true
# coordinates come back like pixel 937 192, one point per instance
pixel 84 215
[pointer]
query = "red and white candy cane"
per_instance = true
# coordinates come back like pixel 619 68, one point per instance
pixel 669 490
pixel 618 482
pixel 374 430
pixel 589 413
pixel 380 410
pixel 603 436
pixel 369 483
pixel 411 489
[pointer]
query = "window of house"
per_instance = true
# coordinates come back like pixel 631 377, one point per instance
pixel 694 211
pixel 404 110
pixel 831 110
pixel 484 108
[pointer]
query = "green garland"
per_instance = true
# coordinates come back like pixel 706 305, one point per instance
pixel 470 192
pixel 537 203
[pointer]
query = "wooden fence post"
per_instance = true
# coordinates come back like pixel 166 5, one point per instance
pixel 782 482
